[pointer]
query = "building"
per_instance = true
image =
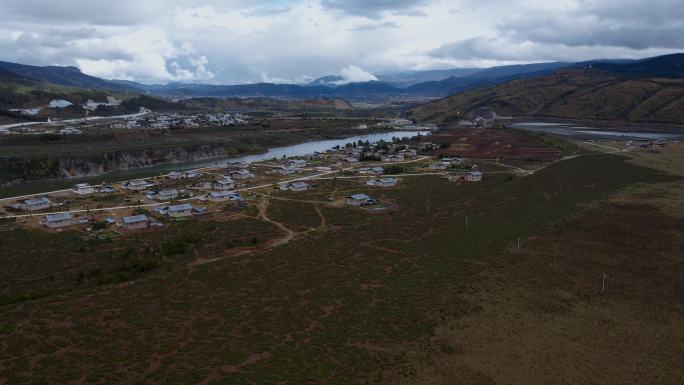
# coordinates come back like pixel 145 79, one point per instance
pixel 175 175
pixel 474 176
pixel 106 190
pixel 83 189
pixel 359 200
pixel 297 163
pixel 351 161
pixel 383 182
pixel 439 166
pixel 241 174
pixel 221 185
pixel 35 204
pixel 393 158
pixel 70 131
pixel 237 165
pixel 135 222
pixel 163 195
pixel 453 161
pixel 177 211
pixel 371 170
pixel 298 186
pixel 286 170
pixel 137 185
pixel 60 103
pixel 58 221
pixel 220 196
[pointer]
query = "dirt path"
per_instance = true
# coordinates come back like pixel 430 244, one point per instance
pixel 289 234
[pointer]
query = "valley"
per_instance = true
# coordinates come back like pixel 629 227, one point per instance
pixel 519 224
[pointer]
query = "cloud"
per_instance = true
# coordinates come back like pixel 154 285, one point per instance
pixel 238 41
pixel 376 26
pixel 577 30
pixel 355 74
pixel 377 8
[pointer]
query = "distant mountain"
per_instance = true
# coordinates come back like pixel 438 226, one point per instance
pixel 518 69
pixel 327 81
pixel 66 76
pixel 251 104
pixel 408 79
pixel 588 93
pixel 438 83
pixel 667 66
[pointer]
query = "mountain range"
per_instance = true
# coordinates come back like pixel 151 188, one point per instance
pixel 636 90
pixel 650 90
pixel 437 83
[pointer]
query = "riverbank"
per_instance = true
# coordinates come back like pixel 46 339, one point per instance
pixel 297 149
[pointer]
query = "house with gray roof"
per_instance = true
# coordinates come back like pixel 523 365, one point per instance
pixel 359 200
pixel 35 204
pixel 135 222
pixel 58 220
pixel 177 211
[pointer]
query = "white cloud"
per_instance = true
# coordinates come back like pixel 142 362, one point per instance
pixel 236 41
pixel 354 74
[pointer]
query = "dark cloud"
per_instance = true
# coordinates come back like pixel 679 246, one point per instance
pixel 593 27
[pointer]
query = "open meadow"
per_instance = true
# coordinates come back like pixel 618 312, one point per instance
pixel 474 283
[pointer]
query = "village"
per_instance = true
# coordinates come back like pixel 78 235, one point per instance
pixel 110 210
pixel 143 119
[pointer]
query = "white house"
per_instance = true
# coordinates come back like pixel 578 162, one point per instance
pixel 351 161
pixel 286 170
pixel 358 200
pixel 83 189
pixel 297 163
pixel 383 182
pixel 137 185
pixel 176 211
pixel 175 175
pixel 220 196
pixel 163 195
pixel 298 186
pixel 60 103
pixel 241 174
pixel 474 176
pixel 455 160
pixel 371 170
pixel 393 158
pixel 70 131
pixel 57 221
pixel 135 222
pixel 221 185
pixel 35 204
pixel 439 166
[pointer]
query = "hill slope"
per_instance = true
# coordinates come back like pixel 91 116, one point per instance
pixel 66 76
pixel 572 93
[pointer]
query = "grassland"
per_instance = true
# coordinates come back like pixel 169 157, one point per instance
pixel 575 94
pixel 410 295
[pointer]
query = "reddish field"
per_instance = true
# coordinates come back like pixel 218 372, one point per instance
pixel 490 144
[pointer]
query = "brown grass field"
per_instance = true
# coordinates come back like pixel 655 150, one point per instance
pixel 406 296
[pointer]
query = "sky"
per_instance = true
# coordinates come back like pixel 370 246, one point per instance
pixel 295 41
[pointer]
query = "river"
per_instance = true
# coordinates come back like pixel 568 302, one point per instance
pixel 300 149
pixel 584 132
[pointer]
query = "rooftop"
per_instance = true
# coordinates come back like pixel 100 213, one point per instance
pixel 135 219
pixel 58 217
pixel 182 207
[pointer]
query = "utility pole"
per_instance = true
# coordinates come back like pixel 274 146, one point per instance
pixel 466 223
pixel 427 203
pixel 603 287
pixel 518 244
